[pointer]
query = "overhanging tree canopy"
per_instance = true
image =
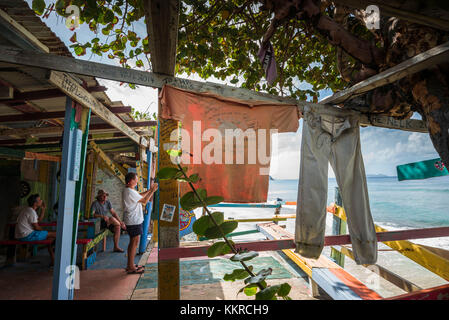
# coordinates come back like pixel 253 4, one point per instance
pixel 323 43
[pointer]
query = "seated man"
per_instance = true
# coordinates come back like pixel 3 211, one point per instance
pixel 102 208
pixel 28 229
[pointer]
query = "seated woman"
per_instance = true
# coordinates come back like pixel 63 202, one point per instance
pixel 102 208
pixel 28 229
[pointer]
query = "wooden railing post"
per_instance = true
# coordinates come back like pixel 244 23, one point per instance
pixel 338 228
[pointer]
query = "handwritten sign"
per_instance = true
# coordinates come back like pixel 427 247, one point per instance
pixel 76 154
pixel 70 87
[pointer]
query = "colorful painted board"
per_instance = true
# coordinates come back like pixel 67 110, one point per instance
pixel 186 220
pixel 422 170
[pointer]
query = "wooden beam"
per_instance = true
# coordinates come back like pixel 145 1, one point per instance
pixel 109 163
pixel 162 26
pixel 47 94
pixel 412 125
pixel 6 93
pixel 60 114
pixel 435 293
pixel 67 84
pixel 154 80
pixel 420 254
pixel 388 275
pixel 273 245
pixel 58 130
pixel 422 61
pixel 40 156
pixel 162 18
pixel 37 143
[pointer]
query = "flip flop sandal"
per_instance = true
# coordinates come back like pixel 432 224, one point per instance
pixel 119 251
pixel 137 267
pixel 137 271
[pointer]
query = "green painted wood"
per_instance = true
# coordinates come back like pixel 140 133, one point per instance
pixel 338 228
pixel 84 125
pixel 9 152
pixel 235 234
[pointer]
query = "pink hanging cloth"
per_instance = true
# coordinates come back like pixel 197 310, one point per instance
pixel 228 139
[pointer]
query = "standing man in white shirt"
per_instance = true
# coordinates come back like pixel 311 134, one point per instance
pixel 27 227
pixel 133 217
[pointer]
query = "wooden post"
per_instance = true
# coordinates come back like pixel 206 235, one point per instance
pixel 338 227
pixel 168 270
pixel 148 208
pixel 64 229
pixel 83 125
pixel 89 183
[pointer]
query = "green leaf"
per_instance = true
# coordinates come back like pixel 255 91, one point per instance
pixel 250 290
pixel 268 293
pixel 202 224
pixel 237 274
pixel 218 249
pixel 213 200
pixel 244 256
pixel 38 6
pixel 259 277
pixel 167 173
pixel 222 230
pixel 189 201
pixel 284 290
pixel 174 153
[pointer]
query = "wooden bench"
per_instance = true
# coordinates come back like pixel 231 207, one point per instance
pixel 88 244
pixel 323 273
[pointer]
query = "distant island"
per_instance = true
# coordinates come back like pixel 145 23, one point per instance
pixel 380 175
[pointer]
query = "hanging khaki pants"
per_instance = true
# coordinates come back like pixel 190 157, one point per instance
pixel 333 137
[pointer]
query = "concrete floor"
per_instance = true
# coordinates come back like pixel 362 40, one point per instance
pixel 201 279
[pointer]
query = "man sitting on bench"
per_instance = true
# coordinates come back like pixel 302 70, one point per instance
pixel 28 229
pixel 102 208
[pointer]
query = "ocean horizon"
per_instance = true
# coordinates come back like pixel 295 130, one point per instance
pixel 398 204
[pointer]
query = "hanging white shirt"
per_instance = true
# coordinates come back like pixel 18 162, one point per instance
pixel 133 212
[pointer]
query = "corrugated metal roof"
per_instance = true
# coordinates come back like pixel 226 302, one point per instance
pixel 28 79
pixel 24 15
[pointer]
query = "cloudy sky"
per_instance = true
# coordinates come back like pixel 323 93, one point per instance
pixel 382 149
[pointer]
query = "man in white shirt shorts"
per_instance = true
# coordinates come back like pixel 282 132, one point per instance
pixel 27 227
pixel 133 217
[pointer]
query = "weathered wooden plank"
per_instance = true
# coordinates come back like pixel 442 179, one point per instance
pixel 436 55
pixel 412 125
pixel 58 130
pixel 110 164
pixel 322 272
pixel 435 293
pixel 418 253
pixel 6 92
pixel 70 65
pixel 388 275
pixel 67 84
pixel 332 285
pixel 162 18
pixel 273 245
pixel 41 156
pixel 54 115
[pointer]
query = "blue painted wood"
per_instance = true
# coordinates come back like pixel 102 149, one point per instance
pixel 246 205
pixel 64 229
pixel 149 206
pixel 333 286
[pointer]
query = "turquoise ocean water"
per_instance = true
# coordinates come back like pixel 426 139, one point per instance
pixel 396 204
